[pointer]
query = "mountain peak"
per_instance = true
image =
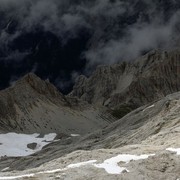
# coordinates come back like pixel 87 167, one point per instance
pixel 30 76
pixel 43 87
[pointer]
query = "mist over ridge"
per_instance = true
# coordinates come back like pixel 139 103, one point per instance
pixel 59 40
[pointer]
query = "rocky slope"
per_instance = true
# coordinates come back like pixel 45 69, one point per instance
pixel 144 144
pixel 149 130
pixel 35 106
pixel 149 78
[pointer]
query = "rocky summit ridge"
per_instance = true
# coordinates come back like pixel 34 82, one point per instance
pixel 148 78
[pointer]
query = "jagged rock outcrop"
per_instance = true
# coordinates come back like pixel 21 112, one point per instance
pixel 33 105
pixel 147 79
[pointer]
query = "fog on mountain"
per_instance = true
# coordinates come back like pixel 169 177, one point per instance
pixel 74 37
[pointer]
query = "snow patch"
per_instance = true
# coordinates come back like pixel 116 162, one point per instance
pixel 177 150
pixel 149 107
pixel 111 165
pixel 5 169
pixel 75 135
pixel 71 166
pixel 82 164
pixel 18 177
pixel 14 145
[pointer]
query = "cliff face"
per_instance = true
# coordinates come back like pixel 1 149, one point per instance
pixel 149 78
pixel 33 105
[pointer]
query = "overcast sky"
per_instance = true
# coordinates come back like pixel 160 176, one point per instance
pixel 152 24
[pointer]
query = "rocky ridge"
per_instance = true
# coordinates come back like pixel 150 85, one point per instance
pixel 32 105
pixel 151 130
pixel 137 83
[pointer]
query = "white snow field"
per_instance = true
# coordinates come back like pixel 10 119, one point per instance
pixel 177 150
pixel 14 145
pixel 111 165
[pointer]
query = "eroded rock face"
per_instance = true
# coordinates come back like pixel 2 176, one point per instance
pixel 32 105
pixel 149 78
pixel 40 86
pixel 150 129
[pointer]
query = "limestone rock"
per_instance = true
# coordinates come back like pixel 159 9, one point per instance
pixel 149 78
pixel 32 105
pixel 150 129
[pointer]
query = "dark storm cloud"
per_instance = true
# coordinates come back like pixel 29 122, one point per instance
pixel 139 37
pixel 120 29
pixel 151 30
pixel 55 16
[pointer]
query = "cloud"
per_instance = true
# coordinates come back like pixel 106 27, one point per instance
pixel 16 55
pixel 66 84
pixel 120 29
pixel 139 37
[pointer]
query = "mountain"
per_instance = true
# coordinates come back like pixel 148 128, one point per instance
pixel 120 120
pixel 151 130
pixel 32 105
pixel 57 40
pixel 132 84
